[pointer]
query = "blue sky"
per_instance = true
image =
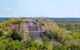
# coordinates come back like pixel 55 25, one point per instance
pixel 47 8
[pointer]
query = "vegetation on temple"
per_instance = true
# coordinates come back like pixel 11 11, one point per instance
pixel 66 36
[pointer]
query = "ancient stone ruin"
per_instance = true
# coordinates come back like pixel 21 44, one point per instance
pixel 30 28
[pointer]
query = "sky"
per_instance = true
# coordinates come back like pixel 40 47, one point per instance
pixel 40 8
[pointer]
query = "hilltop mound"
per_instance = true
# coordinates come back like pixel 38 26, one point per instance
pixel 49 25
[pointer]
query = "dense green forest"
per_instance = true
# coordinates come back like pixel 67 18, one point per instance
pixel 67 36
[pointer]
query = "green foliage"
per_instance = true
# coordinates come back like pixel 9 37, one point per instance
pixel 45 39
pixel 16 36
pixel 67 38
pixel 1 33
pixel 16 21
pixel 2 46
pixel 74 27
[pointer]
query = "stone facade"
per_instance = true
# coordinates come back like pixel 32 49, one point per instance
pixel 30 28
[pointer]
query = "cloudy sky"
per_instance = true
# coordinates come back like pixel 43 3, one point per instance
pixel 46 8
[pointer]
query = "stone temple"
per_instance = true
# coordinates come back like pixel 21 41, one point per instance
pixel 30 28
